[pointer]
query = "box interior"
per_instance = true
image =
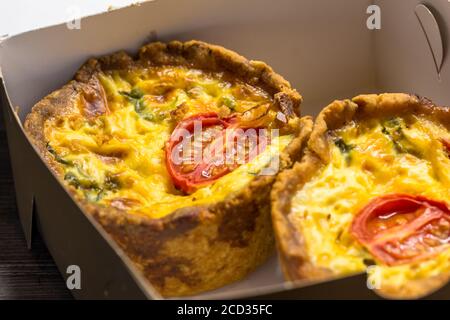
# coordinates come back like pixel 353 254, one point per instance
pixel 322 47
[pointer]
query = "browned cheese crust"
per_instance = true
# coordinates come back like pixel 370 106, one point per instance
pixel 195 248
pixel 296 263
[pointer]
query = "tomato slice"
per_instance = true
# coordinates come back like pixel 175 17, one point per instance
pixel 446 144
pixel 401 228
pixel 205 147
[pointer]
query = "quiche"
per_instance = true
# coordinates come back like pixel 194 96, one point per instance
pixel 174 153
pixel 372 193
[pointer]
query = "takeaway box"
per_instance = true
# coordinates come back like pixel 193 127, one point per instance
pixel 327 49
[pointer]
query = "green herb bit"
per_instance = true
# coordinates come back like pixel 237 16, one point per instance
pixel 56 155
pixel 153 117
pixel 100 195
pixel 78 183
pixel 111 182
pixel 345 149
pixel 92 195
pixel 135 97
pixel 139 106
pixel 135 94
pixel 393 129
pixel 72 180
pixel 229 101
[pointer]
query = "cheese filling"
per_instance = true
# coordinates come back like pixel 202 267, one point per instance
pixel 117 158
pixel 371 158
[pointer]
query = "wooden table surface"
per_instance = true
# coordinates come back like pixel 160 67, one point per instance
pixel 24 274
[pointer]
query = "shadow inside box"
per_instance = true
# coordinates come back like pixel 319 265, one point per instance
pixel 24 273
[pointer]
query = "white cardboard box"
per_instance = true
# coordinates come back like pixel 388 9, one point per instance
pixel 323 47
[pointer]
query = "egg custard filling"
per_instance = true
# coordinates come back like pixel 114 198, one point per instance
pixel 383 199
pixel 117 150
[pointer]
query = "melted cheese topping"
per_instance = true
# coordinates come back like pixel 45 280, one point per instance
pixel 369 159
pixel 117 159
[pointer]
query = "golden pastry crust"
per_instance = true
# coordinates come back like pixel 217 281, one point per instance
pixel 296 263
pixel 197 248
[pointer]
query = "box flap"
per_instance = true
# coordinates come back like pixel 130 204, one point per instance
pixel 404 61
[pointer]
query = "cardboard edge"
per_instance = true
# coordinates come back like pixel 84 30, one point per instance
pixel 25 198
pixel 6 37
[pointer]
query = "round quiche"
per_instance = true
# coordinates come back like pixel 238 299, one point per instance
pixel 174 153
pixel 372 193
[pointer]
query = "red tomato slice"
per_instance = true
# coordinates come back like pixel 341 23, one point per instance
pixel 400 228
pixel 204 147
pixel 446 144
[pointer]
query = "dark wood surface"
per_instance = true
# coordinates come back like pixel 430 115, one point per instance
pixel 24 274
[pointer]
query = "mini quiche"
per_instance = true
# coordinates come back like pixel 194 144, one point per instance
pixel 371 193
pixel 138 142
